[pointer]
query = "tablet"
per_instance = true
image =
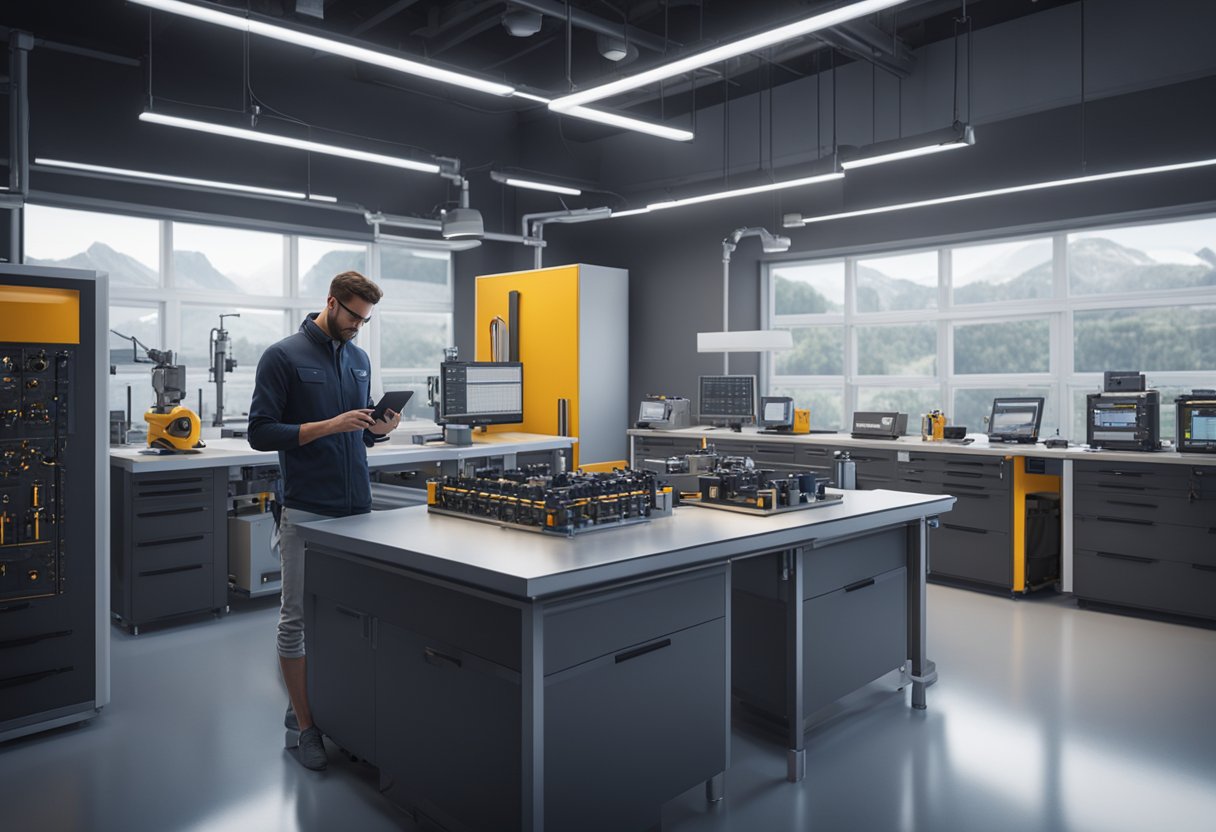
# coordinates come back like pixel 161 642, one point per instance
pixel 394 400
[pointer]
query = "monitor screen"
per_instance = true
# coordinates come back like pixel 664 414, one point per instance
pixel 1203 428
pixel 1015 419
pixel 776 410
pixel 652 411
pixel 1119 417
pixel 482 392
pixel 728 398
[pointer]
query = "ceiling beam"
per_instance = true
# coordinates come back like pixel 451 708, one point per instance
pixel 384 14
pixel 597 24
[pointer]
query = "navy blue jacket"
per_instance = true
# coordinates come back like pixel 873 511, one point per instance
pixel 307 377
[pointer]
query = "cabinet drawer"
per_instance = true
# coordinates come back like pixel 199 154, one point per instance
pixel 776 453
pixel 446 719
pixel 990 512
pixel 971 554
pixel 22 656
pixel 189 550
pixel 186 489
pixel 842 564
pixel 172 591
pixel 648 727
pixel 341 671
pixel 166 519
pixel 585 628
pixel 53 684
pixel 854 635
pixel 814 454
pixel 1145 477
pixel 1145 538
pixel 1152 506
pixel 1160 585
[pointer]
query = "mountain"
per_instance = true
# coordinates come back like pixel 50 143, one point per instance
pixel 123 269
pixel 315 282
pixel 1207 255
pixel 878 292
pixel 1098 265
pixel 192 270
pixel 1013 264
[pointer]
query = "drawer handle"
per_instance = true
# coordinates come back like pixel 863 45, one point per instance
pixel 642 651
pixel 177 481
pixel 174 492
pixel 348 612
pixel 24 605
pixel 1131 503
pixel 151 573
pixel 25 642
pixel 1203 567
pixel 173 540
pixel 439 659
pixel 171 511
pixel 1131 558
pixel 1125 520
pixel 980 494
pixel 1123 487
pixel 14 681
pixel 859 585
pixel 964 529
pixel 972 474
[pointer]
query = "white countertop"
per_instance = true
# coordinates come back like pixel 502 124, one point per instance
pixel 397 451
pixel 913 444
pixel 533 564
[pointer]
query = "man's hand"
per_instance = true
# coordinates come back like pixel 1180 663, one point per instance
pixel 352 420
pixel 386 425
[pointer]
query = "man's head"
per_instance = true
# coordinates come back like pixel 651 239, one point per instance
pixel 349 305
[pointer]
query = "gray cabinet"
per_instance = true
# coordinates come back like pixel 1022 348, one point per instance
pixel 169 544
pixel 1144 537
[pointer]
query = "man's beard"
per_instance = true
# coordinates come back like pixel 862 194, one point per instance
pixel 348 334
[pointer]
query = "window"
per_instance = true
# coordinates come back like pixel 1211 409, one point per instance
pixel 1042 316
pixel 270 280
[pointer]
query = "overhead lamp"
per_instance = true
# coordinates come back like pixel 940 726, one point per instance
pixel 733 49
pixel 795 220
pixel 756 340
pixel 218 17
pixel 955 137
pixel 461 223
pixel 629 123
pixel 287 141
pixel 755 189
pixel 516 181
pixel 630 212
pixel 745 340
pixel 126 173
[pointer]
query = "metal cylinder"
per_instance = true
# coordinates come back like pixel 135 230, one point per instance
pixel 846 471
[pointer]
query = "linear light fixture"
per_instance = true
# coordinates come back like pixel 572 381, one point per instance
pixel 166 177
pixel 218 17
pixel 795 220
pixel 516 181
pixel 745 340
pixel 733 49
pixel 951 138
pixel 287 141
pixel 755 189
pixel 630 213
pixel 617 120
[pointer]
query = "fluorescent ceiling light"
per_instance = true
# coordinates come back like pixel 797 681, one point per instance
pixel 794 220
pixel 877 154
pixel 747 340
pixel 322 198
pixel 755 189
pixel 286 141
pixel 721 53
pixel 530 97
pixel 631 212
pixel 362 54
pixel 532 184
pixel 635 124
pixel 165 177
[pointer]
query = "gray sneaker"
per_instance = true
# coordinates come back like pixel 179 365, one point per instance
pixel 312 749
pixel 289 719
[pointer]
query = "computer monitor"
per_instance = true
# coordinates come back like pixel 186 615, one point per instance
pixel 776 412
pixel 481 392
pixel 730 399
pixel 1015 419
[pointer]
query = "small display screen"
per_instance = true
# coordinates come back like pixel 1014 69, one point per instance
pixel 1121 418
pixel 774 412
pixel 728 397
pixel 1203 427
pixel 1015 419
pixel 652 412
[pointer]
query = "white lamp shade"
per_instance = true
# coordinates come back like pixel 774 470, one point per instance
pixel 748 340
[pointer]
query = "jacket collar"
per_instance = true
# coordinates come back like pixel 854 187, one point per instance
pixel 315 333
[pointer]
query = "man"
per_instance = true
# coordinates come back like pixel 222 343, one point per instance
pixel 311 404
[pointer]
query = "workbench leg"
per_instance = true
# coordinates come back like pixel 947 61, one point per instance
pixel 795 755
pixel 715 788
pixel 532 678
pixel 923 672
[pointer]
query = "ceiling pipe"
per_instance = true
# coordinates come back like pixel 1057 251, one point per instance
pixel 532 226
pixel 594 23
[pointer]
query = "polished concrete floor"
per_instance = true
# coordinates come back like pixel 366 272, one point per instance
pixel 1046 717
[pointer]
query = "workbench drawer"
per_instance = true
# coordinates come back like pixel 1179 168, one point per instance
pixel 159 593
pixel 22 656
pixel 590 626
pixel 817 455
pixel 185 489
pixel 1145 538
pixel 647 724
pixel 42 686
pixel 980 509
pixel 1151 506
pixel 447 725
pixel 1154 584
pixel 1145 477
pixel 838 565
pixel 166 519
pixel 971 555
pixel 781 454
pixel 185 550
pixel 853 636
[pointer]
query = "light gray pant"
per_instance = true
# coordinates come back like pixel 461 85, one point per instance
pixel 291 559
